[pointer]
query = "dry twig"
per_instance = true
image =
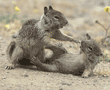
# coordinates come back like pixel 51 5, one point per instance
pixel 106 29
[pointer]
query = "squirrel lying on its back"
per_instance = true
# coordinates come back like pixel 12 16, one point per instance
pixel 75 63
pixel 35 35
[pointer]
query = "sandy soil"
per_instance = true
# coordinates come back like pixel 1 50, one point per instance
pixel 29 78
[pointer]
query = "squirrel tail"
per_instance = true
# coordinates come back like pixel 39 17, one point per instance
pixel 10 49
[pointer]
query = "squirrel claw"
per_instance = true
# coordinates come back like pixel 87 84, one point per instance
pixel 9 67
pixel 85 76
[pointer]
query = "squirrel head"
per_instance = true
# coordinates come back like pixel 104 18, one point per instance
pixel 90 46
pixel 54 18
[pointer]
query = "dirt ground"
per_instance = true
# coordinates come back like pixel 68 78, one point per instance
pixel 81 15
pixel 29 78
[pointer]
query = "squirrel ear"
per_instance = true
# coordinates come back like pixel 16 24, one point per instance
pixel 88 36
pixel 45 10
pixel 50 8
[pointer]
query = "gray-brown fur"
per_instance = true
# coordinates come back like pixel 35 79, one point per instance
pixel 75 63
pixel 34 35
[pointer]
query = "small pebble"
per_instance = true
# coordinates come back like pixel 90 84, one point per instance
pixel 63 83
pixel 47 84
pixel 60 88
pixel 25 75
pixel 48 88
pixel 3 77
pixel 69 84
pixel 2 54
pixel 105 75
pixel 0 38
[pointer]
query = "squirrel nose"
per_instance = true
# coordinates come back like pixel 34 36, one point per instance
pixel 65 23
pixel 101 54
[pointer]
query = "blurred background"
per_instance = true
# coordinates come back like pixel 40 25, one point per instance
pixel 81 15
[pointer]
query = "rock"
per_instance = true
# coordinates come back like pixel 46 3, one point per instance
pixel 25 74
pixel 0 38
pixel 60 88
pixel 3 77
pixel 69 84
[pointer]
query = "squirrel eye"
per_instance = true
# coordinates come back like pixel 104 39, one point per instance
pixel 90 48
pixel 56 17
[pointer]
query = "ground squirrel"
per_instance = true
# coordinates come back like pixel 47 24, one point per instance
pixel 75 63
pixel 35 35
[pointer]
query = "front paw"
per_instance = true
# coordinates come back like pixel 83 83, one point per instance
pixel 59 45
pixel 76 41
pixel 62 48
pixel 85 76
pixel 9 67
pixel 35 60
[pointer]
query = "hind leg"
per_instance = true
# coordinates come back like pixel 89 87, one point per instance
pixel 54 67
pixel 56 53
pixel 41 55
pixel 16 55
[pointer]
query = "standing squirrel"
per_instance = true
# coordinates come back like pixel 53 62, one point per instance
pixel 35 35
pixel 75 63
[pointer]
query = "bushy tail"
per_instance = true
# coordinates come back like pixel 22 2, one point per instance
pixel 10 49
